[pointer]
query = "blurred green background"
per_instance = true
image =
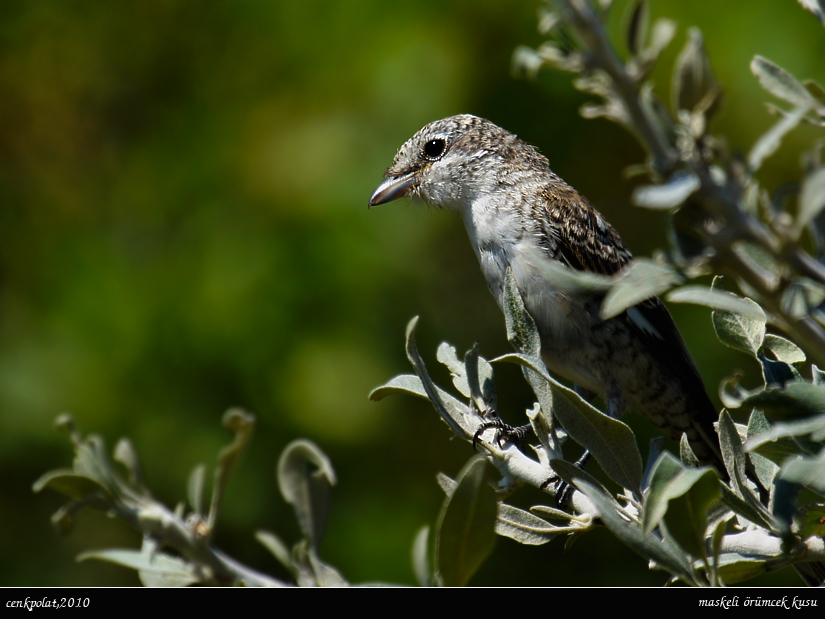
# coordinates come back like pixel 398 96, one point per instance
pixel 183 228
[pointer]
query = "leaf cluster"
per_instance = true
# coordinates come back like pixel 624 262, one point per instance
pixel 177 548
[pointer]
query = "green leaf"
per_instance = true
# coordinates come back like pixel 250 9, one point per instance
pixel 784 440
pixel 446 354
pixel 524 337
pixel 637 27
pixel 197 480
pixel 690 493
pixel 410 384
pixel 717 299
pixel 692 76
pixel 780 83
pixel 796 401
pixel 67 482
pixel 807 472
pixel 466 526
pixel 479 375
pixel 767 144
pixel 421 557
pixel 305 476
pixel 611 442
pixel 650 547
pixel 279 550
pixel 783 349
pixel 125 454
pixel 457 422
pixel 523 527
pixel 817 7
pixel 739 331
pixel 241 424
pixel 638 281
pixel 733 453
pixel 743 508
pixel 156 569
pixel 668 195
pixel 735 568
pixel 811 199
pixel 90 461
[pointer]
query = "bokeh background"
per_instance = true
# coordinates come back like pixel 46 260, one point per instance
pixel 183 228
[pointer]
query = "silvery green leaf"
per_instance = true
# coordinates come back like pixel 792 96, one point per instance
pixel 767 144
pixel 797 400
pixel 733 453
pixel 523 527
pixel 70 483
pixel 565 279
pixel 455 418
pixel 526 62
pixel 197 479
pixel 817 92
pixel 512 522
pixel 156 569
pixel 446 354
pixel 817 7
pixel 811 199
pixel 638 281
pixel 783 349
pixel 686 454
pixel 689 493
pixel 817 375
pixel 661 36
pixel 786 439
pixel 668 195
pixel 466 525
pixel 692 76
pixel 671 479
pixel 421 557
pixel 479 375
pixel 524 337
pixel 277 547
pixel 765 469
pixel 410 384
pixel 637 26
pixel 801 296
pixel 325 574
pixel 739 330
pixel 241 424
pixel 305 476
pixel 547 20
pixel 735 568
pixel 743 508
pixel 649 547
pixel 90 461
pixel 611 442
pixel 125 454
pixel 807 472
pixel 780 83
pixel 717 299
pixel 760 260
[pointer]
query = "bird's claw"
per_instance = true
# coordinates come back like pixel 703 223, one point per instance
pixel 504 432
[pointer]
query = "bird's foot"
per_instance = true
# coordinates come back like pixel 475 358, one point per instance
pixel 564 491
pixel 504 432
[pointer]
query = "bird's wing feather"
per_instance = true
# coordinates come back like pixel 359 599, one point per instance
pixel 572 231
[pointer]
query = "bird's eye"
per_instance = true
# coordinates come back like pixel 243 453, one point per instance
pixel 434 148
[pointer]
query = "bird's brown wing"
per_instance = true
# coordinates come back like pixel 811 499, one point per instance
pixel 572 231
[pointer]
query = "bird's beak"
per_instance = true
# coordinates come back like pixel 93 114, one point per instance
pixel 392 189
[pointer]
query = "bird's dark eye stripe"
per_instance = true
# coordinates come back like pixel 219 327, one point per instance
pixel 434 148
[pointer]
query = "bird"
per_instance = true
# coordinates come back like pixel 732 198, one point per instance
pixel 520 215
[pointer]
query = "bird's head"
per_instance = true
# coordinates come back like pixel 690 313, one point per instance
pixel 448 163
